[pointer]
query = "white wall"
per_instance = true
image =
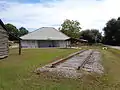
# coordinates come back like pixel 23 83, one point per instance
pixel 37 44
pixel 63 43
pixel 68 43
pixel 29 44
pixel 56 43
pixel 45 43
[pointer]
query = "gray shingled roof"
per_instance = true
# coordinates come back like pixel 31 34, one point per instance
pixel 45 33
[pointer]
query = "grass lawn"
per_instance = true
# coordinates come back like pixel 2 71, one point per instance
pixel 16 72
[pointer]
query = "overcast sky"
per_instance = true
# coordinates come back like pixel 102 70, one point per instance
pixel 33 14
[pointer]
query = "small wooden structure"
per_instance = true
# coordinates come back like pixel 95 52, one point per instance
pixel 77 41
pixel 4 35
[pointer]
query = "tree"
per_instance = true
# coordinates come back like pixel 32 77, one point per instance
pixel 71 28
pixel 22 31
pixel 93 35
pixel 13 30
pixel 112 32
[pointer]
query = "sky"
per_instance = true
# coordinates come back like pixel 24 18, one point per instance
pixel 33 14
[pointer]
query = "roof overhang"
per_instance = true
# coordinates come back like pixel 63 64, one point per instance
pixel 75 39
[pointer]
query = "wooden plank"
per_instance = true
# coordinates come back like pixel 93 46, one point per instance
pixel 3 42
pixel 19 47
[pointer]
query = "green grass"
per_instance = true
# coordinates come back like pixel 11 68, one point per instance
pixel 16 72
pixel 111 62
pixel 111 78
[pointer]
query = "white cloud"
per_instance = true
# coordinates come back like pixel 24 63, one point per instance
pixel 90 13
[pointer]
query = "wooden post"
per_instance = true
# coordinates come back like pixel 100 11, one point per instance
pixel 19 47
pixel 66 44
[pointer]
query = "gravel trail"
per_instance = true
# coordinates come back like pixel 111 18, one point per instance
pixel 75 61
pixel 69 68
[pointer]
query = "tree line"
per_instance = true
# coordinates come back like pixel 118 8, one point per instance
pixel 72 28
pixel 111 32
pixel 16 32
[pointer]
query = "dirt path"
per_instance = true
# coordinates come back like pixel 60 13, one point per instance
pixel 88 60
pixel 75 61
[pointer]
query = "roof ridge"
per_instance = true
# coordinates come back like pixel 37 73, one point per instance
pixel 32 31
pixel 61 32
pixel 37 30
pixel 46 31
